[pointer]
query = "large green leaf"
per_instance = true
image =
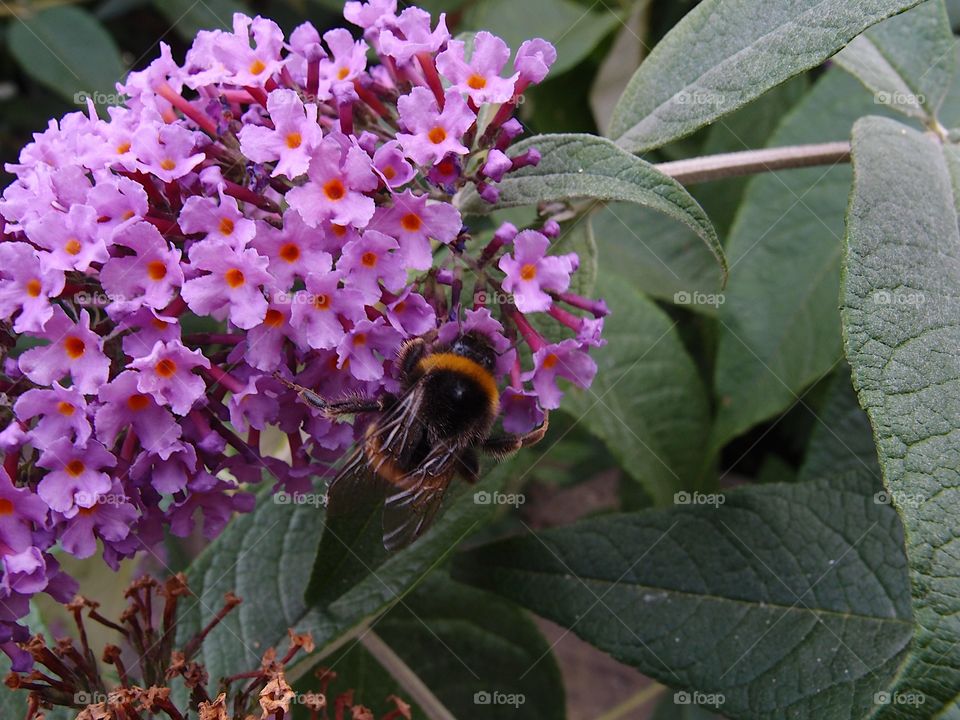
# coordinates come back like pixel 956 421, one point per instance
pixel 780 327
pixel 901 320
pixel 265 558
pixel 572 28
pixel 69 51
pixel 785 601
pixel 190 17
pixel 907 61
pixel 586 166
pixel 647 403
pixel 724 53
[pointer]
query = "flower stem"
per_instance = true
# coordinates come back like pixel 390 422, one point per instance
pixel 749 162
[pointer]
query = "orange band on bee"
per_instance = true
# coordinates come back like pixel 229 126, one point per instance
pixel 464 366
pixel 381 463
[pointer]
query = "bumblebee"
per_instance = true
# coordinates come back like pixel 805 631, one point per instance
pixel 431 431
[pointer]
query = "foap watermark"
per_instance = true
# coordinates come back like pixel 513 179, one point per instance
pixel 700 97
pixel 899 498
pixel 915 699
pixel 698 498
pixel 898 297
pixel 90 698
pixel 299 498
pixel 97 299
pixel 683 297
pixel 495 297
pixel 88 500
pixel 683 697
pixel 483 497
pixel 99 98
pixel 485 697
pixel 897 98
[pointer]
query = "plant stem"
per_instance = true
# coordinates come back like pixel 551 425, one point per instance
pixel 748 162
pixel 405 677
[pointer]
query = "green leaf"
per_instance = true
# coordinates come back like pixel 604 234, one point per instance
pixel 779 326
pixel 647 403
pixel 265 558
pixel 190 17
pixel 585 166
pixel 907 61
pixel 574 29
pixel 725 53
pixel 464 643
pixel 69 51
pixel 784 601
pixel 901 322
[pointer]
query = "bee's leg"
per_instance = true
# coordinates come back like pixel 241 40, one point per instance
pixel 468 465
pixel 409 354
pixel 503 446
pixel 347 406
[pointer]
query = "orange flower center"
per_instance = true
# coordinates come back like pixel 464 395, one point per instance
pixel 446 167
pixel 411 222
pixel 127 215
pixel 156 270
pixel 137 402
pixel 123 148
pixel 389 172
pixel 334 189
pixel 273 318
pixel 369 259
pixel 168 164
pixel 165 368
pixel 342 73
pixel 550 360
pixel 437 135
pixel 75 468
pixel 65 408
pixel 226 226
pixel 74 347
pixel 400 307
pixel 234 277
pixel 158 324
pixel 290 252
pixel 257 67
pixel 321 302
pixel 360 339
pixel 528 271
pixel 72 246
pixel 293 140
pixel 34 287
pixel 6 507
pixel 339 230
pixel 477 82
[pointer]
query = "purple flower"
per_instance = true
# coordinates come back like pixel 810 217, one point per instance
pixel 317 311
pixel 167 374
pixel 71 238
pixel 295 251
pixel 529 271
pixel 27 284
pixel 534 59
pixel 124 405
pixel 413 222
pixel 338 180
pixel 148 327
pixel 232 286
pixel 497 165
pixel 110 519
pixel 372 14
pixel 214 499
pixel 411 314
pixel 480 78
pixel 150 277
pixel 410 35
pixel 255 405
pixel 265 342
pixel 357 349
pixel 520 410
pixel 62 411
pixel 166 474
pixel 75 479
pixel 433 133
pixel 73 350
pixel 220 222
pixel 370 260
pixel 291 140
pixel 392 166
pixel 349 57
pixel 565 359
pixel 166 151
pixel 20 510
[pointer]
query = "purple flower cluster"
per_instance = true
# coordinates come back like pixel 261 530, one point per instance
pixel 273 206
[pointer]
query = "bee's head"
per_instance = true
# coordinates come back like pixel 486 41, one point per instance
pixel 475 346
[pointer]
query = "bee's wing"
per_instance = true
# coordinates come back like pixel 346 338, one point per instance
pixel 410 509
